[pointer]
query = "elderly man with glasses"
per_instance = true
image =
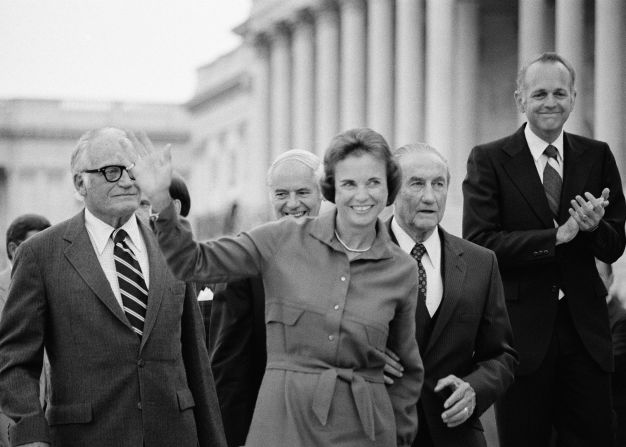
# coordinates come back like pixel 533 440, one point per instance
pixel 128 363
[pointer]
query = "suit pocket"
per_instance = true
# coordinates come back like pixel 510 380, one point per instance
pixel 69 414
pixel 185 399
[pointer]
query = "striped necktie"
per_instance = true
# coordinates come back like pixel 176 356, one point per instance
pixel 552 181
pixel 130 279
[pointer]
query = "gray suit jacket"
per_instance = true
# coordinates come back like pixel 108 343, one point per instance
pixel 109 388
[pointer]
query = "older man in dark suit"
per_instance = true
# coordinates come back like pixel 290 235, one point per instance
pixel 539 199
pixel 128 363
pixel 462 326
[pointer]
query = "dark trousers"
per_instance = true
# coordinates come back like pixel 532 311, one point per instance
pixel 568 399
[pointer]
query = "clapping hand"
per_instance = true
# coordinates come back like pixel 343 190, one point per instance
pixel 588 213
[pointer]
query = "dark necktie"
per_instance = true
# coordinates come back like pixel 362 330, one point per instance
pixel 130 279
pixel 552 181
pixel 422 317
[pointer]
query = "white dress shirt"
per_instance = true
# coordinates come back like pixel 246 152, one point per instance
pixel 431 262
pixel 100 236
pixel 537 146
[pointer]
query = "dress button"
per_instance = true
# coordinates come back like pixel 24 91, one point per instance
pixel 343 278
pixel 336 307
pixel 139 405
pixel 331 337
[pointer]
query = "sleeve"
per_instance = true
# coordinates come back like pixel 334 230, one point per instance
pixel 199 377
pixel 482 223
pixel 222 260
pixel 232 357
pixel 22 335
pixel 405 392
pixel 608 240
pixel 495 358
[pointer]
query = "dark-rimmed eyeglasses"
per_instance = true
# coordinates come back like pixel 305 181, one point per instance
pixel 111 173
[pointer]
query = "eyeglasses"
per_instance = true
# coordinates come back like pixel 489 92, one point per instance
pixel 111 173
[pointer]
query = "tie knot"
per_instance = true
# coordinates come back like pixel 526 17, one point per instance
pixel 551 152
pixel 118 235
pixel 418 251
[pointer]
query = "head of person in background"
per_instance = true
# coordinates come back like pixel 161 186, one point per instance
pixel 360 178
pixel 546 95
pixel 180 197
pixel 293 181
pixel 421 202
pixel 21 229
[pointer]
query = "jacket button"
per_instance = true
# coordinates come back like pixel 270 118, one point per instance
pixel 554 288
pixel 139 406
pixel 331 337
pixel 141 362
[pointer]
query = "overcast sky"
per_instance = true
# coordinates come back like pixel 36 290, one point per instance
pixel 128 50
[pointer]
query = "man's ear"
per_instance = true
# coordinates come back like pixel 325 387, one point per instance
pixel 177 205
pixel 11 249
pixel 519 101
pixel 80 184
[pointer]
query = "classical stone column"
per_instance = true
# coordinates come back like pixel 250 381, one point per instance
pixel 380 68
pixel 440 39
pixel 280 62
pixel 258 149
pixel 353 53
pixel 570 43
pixel 535 29
pixel 465 103
pixel 303 50
pixel 409 114
pixel 609 71
pixel 326 75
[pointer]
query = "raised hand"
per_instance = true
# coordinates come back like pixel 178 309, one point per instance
pixel 151 168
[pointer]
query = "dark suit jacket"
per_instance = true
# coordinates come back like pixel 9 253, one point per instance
pixel 471 338
pixel 505 209
pixel 238 352
pixel 108 387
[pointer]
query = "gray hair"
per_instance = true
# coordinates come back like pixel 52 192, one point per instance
pixel 421 148
pixel 309 159
pixel 84 142
pixel 548 57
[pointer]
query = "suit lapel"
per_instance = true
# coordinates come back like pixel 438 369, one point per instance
pixel 80 253
pixel 453 273
pixel 521 168
pixel 575 173
pixel 158 280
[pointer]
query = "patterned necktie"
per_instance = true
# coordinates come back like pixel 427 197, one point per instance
pixel 130 279
pixel 552 181
pixel 422 316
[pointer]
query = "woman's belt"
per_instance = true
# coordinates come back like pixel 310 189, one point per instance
pixel 325 388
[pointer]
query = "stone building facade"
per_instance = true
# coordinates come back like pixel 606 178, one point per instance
pixel 37 138
pixel 440 71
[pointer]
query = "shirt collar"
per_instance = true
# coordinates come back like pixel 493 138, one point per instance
pixel 101 231
pixel 537 145
pixel 406 242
